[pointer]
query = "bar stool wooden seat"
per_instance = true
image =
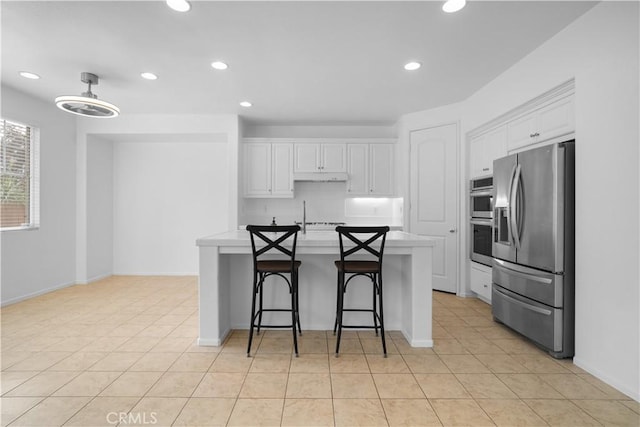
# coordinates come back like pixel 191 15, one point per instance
pixel 270 240
pixel 367 241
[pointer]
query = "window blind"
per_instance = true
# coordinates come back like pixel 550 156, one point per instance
pixel 19 176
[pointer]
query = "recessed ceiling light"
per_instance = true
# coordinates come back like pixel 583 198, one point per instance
pixel 28 75
pixel 179 5
pixel 412 66
pixel 219 65
pixel 149 76
pixel 451 6
pixel 246 104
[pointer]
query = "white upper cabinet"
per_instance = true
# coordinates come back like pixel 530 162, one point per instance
pixel 257 167
pixel 320 158
pixel 282 170
pixel 268 170
pixel 358 169
pixel 370 169
pixel 307 158
pixel 334 157
pixel 484 149
pixel 548 122
pixel 381 169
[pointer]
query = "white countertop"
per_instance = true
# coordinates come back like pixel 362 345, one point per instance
pixel 240 238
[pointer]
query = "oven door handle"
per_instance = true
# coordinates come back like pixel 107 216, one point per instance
pixel 475 221
pixel 482 193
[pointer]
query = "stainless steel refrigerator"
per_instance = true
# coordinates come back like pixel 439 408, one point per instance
pixel 533 245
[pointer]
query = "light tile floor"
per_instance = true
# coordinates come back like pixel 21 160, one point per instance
pixel 122 351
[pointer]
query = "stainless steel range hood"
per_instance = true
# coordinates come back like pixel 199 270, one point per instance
pixel 320 176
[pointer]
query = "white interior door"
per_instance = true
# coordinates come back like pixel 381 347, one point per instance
pixel 434 199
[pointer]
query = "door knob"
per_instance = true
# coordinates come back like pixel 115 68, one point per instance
pixel 453 230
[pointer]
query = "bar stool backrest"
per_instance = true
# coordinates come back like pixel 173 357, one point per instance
pixel 369 240
pixel 271 239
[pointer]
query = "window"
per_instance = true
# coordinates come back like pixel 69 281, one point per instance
pixel 19 176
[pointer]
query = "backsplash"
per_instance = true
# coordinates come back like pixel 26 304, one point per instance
pixel 374 211
pixel 326 201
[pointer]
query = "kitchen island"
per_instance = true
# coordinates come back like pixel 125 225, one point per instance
pixel 225 284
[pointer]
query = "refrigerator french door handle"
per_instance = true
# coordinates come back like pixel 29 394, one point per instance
pixel 513 207
pixel 508 207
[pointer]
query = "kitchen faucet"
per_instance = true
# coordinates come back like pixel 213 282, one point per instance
pixel 304 217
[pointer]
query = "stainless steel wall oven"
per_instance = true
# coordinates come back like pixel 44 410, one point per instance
pixel 481 241
pixel 481 197
pixel 481 214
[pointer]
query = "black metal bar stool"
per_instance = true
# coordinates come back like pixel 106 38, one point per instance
pixel 368 241
pixel 270 240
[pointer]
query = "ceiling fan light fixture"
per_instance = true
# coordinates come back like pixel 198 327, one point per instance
pixel 87 104
pixel 148 76
pixel 451 6
pixel 179 5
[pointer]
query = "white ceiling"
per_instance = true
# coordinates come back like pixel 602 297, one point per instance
pixel 298 62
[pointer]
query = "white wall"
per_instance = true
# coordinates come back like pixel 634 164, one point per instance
pixel 99 208
pixel 51 247
pixel 166 195
pixel 601 51
pixel 194 157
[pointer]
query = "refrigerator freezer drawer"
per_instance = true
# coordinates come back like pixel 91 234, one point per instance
pixel 538 322
pixel 546 288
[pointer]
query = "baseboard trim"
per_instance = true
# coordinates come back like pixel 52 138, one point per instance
pixel 209 342
pixel 622 388
pixel 465 294
pixel 155 274
pixel 212 342
pixel 421 343
pixel 96 278
pixel 36 294
pixel 416 343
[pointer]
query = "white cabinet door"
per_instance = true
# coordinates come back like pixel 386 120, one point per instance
pixel 358 169
pixel 476 157
pixel 556 119
pixel 484 149
pixel 550 121
pixel 257 166
pixel 495 147
pixel 282 170
pixel 334 158
pixel 320 158
pixel 480 281
pixel 522 131
pixel 381 169
pixel 306 158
